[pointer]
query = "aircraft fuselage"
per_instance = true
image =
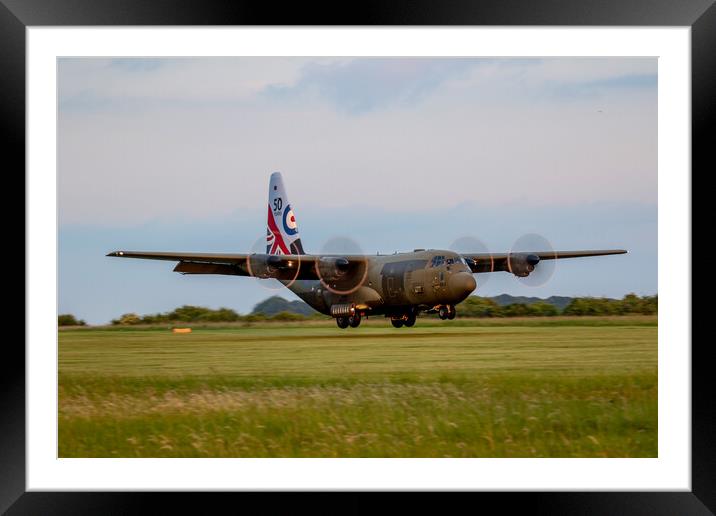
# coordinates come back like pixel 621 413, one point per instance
pixel 394 285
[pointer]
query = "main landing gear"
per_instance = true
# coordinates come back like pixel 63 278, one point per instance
pixel 398 320
pixel 447 312
pixel 407 320
pixel 352 320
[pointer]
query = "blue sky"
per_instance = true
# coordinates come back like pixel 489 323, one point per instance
pixel 175 154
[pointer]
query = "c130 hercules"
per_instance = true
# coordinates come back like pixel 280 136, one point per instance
pixel 351 286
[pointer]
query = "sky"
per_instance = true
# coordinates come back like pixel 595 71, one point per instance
pixel 175 154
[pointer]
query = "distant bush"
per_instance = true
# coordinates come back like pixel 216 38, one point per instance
pixel 475 306
pixel 127 319
pixel 189 313
pixel 183 314
pixel 69 320
pixel 253 318
pixel 220 315
pixel 631 304
pixel 543 310
pixel 199 314
pixel 287 316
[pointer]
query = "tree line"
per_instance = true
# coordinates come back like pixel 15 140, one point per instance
pixel 473 306
pixel 200 314
pixel 631 304
pixel 69 320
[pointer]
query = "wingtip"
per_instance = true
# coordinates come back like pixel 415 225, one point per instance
pixel 115 253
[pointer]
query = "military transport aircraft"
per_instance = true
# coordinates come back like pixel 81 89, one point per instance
pixel 351 286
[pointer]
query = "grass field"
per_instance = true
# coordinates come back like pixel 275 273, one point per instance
pixel 552 387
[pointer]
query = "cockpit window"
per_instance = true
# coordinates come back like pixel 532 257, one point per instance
pixel 437 261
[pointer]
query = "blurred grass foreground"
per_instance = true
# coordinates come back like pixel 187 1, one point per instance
pixel 519 387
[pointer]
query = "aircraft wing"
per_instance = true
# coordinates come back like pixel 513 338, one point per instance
pixel 493 262
pixel 282 267
pixel 195 263
pixel 335 268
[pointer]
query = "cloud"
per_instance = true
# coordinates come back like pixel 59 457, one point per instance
pixel 147 82
pixel 349 85
pixel 589 70
pixel 144 64
pixel 556 82
pixel 600 87
pixel 193 138
pixel 363 85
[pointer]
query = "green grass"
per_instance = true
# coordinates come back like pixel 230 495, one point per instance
pixel 473 389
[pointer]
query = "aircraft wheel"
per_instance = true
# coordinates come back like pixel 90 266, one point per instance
pixel 452 313
pixel 354 320
pixel 443 312
pixel 410 321
pixel 342 322
pixel 397 323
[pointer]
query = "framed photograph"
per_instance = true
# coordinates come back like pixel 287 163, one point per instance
pixel 405 322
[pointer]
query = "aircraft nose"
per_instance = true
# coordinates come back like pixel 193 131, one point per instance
pixel 462 284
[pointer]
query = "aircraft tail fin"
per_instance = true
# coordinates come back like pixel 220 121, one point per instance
pixel 282 231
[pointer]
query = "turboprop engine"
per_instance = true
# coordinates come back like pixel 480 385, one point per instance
pixel 522 264
pixel 264 266
pixel 341 275
pixel 333 268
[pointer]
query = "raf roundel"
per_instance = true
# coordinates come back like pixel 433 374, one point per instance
pixel 289 221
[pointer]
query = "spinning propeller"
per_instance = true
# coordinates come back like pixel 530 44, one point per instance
pixel 471 245
pixel 269 270
pixel 531 269
pixel 341 266
pixel 530 259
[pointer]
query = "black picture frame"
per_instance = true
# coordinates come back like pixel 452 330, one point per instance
pixel 16 15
